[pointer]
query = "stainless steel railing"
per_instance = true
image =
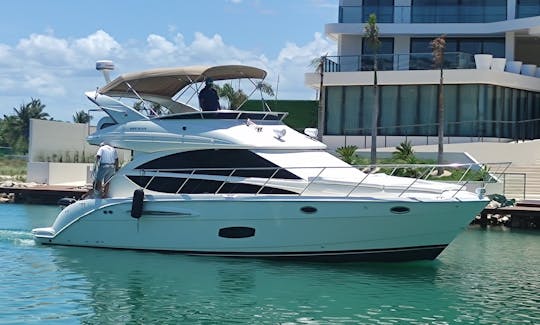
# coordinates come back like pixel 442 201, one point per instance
pixel 463 175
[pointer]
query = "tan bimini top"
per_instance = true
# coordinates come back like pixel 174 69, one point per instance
pixel 166 82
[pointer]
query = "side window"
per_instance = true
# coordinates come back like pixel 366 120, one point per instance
pixel 244 163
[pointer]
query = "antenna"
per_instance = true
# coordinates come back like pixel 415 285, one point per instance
pixel 105 66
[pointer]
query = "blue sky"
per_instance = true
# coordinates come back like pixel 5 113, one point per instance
pixel 48 49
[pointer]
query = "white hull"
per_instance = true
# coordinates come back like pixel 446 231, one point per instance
pixel 339 229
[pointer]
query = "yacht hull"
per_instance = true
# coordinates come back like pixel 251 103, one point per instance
pixel 299 228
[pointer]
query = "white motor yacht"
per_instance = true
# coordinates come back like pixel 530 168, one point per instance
pixel 244 184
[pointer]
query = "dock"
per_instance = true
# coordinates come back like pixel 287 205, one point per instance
pixel 525 215
pixel 42 194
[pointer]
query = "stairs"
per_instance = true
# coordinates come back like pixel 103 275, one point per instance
pixel 522 181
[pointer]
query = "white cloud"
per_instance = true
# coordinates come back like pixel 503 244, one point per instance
pixel 99 44
pixel 46 48
pixel 60 70
pixel 4 53
pixel 45 84
pixel 159 49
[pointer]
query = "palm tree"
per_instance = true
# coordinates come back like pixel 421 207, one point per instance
pixel 10 130
pixel 348 154
pixel 438 45
pixel 405 153
pixel 15 129
pixel 82 117
pixel 227 92
pixel 372 36
pixel 237 97
pixel 318 64
pixel 26 112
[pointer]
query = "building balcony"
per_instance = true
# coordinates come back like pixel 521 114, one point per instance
pixel 388 62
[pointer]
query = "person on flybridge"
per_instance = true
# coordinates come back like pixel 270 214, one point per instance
pixel 107 165
pixel 208 97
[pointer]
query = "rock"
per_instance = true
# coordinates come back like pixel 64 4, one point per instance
pixel 7 184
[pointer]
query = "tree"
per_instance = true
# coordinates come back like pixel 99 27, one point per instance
pixel 26 112
pixel 348 154
pixel 82 117
pixel 318 64
pixel 405 153
pixel 15 129
pixel 265 88
pixel 372 36
pixel 237 97
pixel 438 45
pixel 155 108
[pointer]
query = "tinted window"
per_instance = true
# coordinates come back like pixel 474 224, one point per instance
pixel 200 186
pixel 225 159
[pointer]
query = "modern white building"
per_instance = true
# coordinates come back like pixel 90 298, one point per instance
pixel 494 96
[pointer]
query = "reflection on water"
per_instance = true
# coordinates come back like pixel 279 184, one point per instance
pixel 484 277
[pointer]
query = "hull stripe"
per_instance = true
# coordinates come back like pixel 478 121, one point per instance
pixel 375 255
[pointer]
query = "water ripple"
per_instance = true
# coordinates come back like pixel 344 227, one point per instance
pixel 485 277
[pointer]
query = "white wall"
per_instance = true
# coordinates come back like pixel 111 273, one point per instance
pixel 51 173
pixel 426 77
pixel 50 140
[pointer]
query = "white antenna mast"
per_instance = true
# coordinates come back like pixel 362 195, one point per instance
pixel 105 66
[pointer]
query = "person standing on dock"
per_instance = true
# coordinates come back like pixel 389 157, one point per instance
pixel 107 164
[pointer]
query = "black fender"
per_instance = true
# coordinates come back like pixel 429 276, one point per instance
pixel 137 203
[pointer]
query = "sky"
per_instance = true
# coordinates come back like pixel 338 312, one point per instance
pixel 48 49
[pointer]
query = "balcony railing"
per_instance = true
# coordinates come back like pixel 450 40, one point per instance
pixel 389 62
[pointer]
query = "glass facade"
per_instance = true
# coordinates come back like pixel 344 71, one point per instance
pixel 458 11
pixel 440 11
pixel 472 110
pixel 527 8
pixel 421 57
pixel 350 14
pixel 383 9
pixel 385 55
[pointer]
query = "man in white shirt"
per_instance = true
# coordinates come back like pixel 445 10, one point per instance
pixel 107 162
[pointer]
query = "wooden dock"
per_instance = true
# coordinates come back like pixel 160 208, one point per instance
pixel 42 194
pixel 525 214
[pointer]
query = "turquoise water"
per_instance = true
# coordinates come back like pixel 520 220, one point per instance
pixel 484 277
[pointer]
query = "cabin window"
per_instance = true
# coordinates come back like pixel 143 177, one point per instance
pixel 200 186
pixel 223 160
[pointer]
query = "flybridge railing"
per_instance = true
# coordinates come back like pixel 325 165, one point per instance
pixel 226 115
pixel 269 178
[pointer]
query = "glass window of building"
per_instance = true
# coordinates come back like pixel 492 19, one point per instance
pixel 350 14
pixel 385 55
pixel 459 52
pixel 527 8
pixel 383 9
pixel 458 11
pixel 471 110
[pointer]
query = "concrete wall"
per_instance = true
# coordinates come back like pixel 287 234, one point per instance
pixel 51 173
pixel 48 138
pixel 56 150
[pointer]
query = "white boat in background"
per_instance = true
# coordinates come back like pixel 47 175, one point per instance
pixel 244 184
